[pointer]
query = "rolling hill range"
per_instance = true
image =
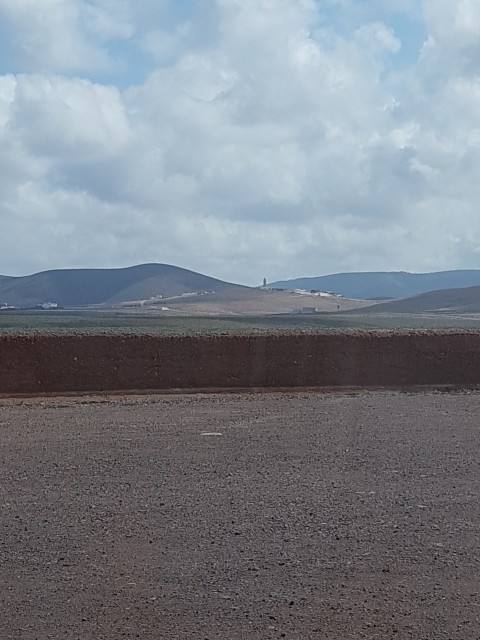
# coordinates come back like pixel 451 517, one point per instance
pixel 384 284
pixel 158 288
pixel 80 287
pixel 174 290
pixel 463 300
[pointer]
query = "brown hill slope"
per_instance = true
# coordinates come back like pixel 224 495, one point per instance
pixel 247 301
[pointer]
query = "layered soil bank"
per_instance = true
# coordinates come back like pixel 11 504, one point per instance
pixel 36 364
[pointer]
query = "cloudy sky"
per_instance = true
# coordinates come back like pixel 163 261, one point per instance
pixel 240 138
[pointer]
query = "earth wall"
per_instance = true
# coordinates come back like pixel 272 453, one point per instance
pixel 37 364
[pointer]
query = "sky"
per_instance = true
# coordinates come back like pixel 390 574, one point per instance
pixel 240 138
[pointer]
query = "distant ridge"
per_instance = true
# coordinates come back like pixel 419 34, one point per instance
pixel 79 287
pixel 463 300
pixel 384 284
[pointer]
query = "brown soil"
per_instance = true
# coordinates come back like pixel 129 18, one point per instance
pixel 309 516
pixel 32 364
pixel 252 302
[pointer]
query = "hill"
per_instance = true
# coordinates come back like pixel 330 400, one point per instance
pixel 80 287
pixel 245 301
pixel 463 300
pixel 384 284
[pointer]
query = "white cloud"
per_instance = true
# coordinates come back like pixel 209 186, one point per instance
pixel 107 19
pixel 268 137
pixel 377 37
pixel 61 118
pixel 63 35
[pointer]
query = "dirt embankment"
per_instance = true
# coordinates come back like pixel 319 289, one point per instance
pixel 39 364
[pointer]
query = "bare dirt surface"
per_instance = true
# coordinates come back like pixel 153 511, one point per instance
pixel 276 515
pixel 252 302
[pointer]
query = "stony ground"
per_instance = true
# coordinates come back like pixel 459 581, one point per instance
pixel 241 516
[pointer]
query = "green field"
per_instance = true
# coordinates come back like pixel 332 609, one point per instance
pixel 95 322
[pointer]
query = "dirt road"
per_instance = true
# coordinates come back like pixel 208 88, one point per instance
pixel 241 516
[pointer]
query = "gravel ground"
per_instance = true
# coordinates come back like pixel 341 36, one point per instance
pixel 274 515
